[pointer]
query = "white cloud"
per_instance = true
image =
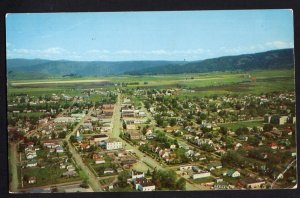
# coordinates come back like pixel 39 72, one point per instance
pixel 279 44
pixel 51 53
pixel 256 48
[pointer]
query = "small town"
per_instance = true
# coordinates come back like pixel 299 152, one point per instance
pixel 152 140
pixel 151 101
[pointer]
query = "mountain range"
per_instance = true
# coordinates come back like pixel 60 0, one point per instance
pixel 38 68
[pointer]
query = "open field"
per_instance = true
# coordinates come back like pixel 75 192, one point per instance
pixel 236 125
pixel 203 84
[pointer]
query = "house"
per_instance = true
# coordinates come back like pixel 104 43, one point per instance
pixel 199 174
pixel 71 173
pixel 98 159
pixel 143 184
pixel 196 169
pixel 62 166
pixel 64 120
pixel 59 149
pixel 87 126
pixel 273 146
pixel 51 144
pixel 31 164
pixel 108 171
pixel 237 146
pixel 131 127
pixel 232 173
pixel 98 138
pixel 216 165
pixel 210 167
pixel 222 185
pixel 251 183
pixel 137 174
pixel 84 146
pixel 127 161
pixel 134 135
pixel 70 167
pixel 189 153
pixel 32 180
pixel 107 106
pixel 30 155
pixel 187 167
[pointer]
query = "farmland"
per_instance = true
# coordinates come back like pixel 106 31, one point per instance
pixel 202 84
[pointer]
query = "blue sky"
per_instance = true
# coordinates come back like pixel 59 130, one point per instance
pixel 172 35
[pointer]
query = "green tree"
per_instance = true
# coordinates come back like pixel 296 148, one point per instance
pixel 173 122
pixel 73 139
pixel 223 130
pixel 122 178
pixel 180 184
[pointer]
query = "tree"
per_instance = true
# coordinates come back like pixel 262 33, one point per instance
pixel 21 147
pixel 148 173
pixel 53 135
pixel 173 122
pixel 122 178
pixel 62 134
pixel 168 178
pixel 65 143
pixel 180 184
pixel 254 141
pixel 73 139
pixel 84 183
pixel 268 127
pixel 202 116
pixel 156 179
pixel 223 130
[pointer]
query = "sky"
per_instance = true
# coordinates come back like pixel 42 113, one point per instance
pixel 159 35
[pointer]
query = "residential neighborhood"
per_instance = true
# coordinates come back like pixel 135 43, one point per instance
pixel 224 142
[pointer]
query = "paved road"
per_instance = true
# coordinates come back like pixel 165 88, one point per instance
pixel 93 181
pixel 13 166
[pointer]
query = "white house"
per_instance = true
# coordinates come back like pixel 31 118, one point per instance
pixel 59 149
pixel 143 184
pixel 232 173
pixel 137 174
pixel 32 164
pixel 200 174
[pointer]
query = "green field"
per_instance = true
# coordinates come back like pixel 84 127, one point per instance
pixel 234 126
pixel 203 84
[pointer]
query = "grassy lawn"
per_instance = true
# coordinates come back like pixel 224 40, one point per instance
pixel 203 180
pixel 46 176
pixel 231 180
pixel 218 172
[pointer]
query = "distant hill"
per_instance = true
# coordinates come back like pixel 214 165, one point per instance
pixel 275 59
pixel 76 68
pixel 38 68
